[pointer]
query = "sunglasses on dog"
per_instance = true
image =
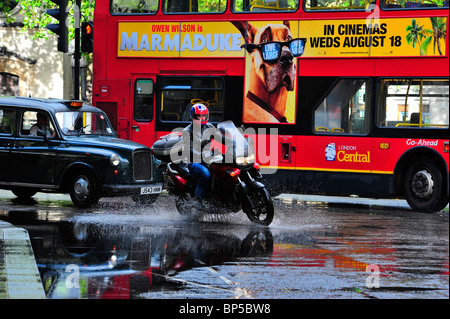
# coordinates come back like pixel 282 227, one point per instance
pixel 271 51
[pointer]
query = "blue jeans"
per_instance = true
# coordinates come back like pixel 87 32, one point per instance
pixel 204 176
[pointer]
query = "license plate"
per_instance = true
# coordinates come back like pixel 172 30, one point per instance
pixel 151 190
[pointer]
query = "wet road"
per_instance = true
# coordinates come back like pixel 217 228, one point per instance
pixel 122 250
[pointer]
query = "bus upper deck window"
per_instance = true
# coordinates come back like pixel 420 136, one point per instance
pixel 134 6
pixel 413 4
pixel 316 5
pixel 264 5
pixel 194 6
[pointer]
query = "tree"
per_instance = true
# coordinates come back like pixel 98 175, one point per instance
pixel 36 18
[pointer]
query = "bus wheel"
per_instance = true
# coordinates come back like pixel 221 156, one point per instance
pixel 423 186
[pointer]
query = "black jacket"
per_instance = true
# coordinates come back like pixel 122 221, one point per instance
pixel 198 140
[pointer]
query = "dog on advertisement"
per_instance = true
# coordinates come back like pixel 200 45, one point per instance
pixel 271 81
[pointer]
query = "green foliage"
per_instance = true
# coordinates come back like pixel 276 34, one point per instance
pixel 36 18
pixel 5 9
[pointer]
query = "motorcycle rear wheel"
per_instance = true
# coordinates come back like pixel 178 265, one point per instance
pixel 262 211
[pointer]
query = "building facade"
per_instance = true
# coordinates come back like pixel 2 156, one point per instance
pixel 31 67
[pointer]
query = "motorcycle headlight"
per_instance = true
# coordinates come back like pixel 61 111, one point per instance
pixel 244 161
pixel 114 159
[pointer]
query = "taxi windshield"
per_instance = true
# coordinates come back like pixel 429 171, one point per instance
pixel 84 123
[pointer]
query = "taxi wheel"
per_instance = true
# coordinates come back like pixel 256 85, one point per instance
pixel 84 189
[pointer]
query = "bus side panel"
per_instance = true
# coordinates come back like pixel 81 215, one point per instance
pixel 109 93
pixel 437 67
pixel 336 67
pixel 324 183
pixel 387 151
pixel 335 153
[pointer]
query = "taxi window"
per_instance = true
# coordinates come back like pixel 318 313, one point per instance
pixel 7 119
pixel 36 124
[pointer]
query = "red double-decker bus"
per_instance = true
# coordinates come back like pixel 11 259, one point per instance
pixel 339 97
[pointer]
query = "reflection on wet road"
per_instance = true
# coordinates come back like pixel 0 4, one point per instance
pixel 120 250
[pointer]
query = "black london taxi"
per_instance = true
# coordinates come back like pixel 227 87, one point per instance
pixel 64 146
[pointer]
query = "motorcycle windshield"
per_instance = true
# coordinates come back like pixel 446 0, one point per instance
pixel 234 137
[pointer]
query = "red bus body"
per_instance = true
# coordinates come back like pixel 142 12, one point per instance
pixel 389 70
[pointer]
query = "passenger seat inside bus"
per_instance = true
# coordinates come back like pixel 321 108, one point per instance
pixel 264 5
pixel 415 118
pixel 391 4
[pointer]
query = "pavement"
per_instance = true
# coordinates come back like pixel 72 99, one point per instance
pixel 19 275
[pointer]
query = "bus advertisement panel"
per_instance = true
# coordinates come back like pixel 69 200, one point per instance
pixel 387 37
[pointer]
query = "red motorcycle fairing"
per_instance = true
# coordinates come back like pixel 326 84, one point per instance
pixel 179 181
pixel 179 175
pixel 228 173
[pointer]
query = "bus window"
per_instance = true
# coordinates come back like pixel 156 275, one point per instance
pixel 413 4
pixel 143 100
pixel 134 6
pixel 311 5
pixel 345 109
pixel 419 103
pixel 264 5
pixel 179 94
pixel 194 6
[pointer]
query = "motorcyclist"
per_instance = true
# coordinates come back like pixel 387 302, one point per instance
pixel 193 135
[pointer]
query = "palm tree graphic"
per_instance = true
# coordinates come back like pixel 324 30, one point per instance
pixel 439 31
pixel 417 33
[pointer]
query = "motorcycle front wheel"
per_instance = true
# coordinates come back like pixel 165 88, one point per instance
pixel 188 207
pixel 262 211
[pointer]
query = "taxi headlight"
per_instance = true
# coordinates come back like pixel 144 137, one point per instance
pixel 243 161
pixel 114 159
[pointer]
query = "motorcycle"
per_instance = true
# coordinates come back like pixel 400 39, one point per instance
pixel 235 183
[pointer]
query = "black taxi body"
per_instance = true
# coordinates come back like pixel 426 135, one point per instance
pixel 65 146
